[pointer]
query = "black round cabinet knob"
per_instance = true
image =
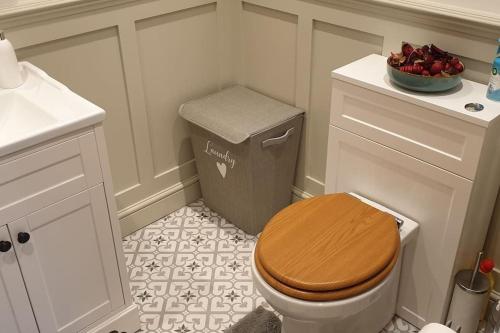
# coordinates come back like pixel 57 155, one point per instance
pixel 5 246
pixel 23 237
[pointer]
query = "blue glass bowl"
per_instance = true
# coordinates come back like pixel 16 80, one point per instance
pixel 422 83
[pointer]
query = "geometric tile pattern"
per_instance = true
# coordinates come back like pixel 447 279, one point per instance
pixel 398 325
pixel 190 272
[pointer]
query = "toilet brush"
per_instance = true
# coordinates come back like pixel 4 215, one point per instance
pixel 476 270
pixel 469 296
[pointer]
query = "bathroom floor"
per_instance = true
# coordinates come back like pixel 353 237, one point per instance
pixel 190 272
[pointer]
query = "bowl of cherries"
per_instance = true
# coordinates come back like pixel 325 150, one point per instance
pixel 426 69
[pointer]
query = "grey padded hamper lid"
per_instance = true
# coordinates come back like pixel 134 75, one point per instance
pixel 236 113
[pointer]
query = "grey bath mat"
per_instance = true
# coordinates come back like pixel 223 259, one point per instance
pixel 259 320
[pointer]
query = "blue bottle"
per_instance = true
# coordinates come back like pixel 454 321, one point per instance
pixel 494 85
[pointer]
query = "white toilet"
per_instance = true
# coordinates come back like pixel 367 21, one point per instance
pixel 436 328
pixel 332 264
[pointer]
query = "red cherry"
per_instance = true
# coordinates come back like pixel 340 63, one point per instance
pixel 487 265
pixel 436 68
pixel 454 61
pixel 426 73
pixel 459 67
pixel 438 75
pixel 453 71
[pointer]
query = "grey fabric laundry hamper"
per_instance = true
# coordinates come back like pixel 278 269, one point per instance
pixel 246 147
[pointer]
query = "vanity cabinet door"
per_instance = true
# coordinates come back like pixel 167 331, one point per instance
pixel 66 254
pixel 435 198
pixel 16 315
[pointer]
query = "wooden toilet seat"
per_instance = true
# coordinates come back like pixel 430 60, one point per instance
pixel 327 248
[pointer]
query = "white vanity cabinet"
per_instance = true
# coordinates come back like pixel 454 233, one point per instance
pixel 425 156
pixel 63 270
pixel 69 257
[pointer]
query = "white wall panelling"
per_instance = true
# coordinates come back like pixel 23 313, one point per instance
pixel 131 60
pixel 139 62
pixel 269 47
pixel 95 53
pixel 178 59
pixel 355 44
pixel 480 11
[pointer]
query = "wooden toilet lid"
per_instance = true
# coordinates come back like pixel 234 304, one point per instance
pixel 324 296
pixel 330 245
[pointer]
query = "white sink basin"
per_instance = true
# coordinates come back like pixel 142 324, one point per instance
pixel 19 117
pixel 39 110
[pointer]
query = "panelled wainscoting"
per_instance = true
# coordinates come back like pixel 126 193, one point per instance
pixel 191 272
pixel 141 59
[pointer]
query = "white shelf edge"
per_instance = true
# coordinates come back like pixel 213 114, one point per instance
pixel 434 9
pixel 49 7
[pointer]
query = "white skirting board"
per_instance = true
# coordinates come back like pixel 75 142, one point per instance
pixel 164 205
pixel 298 194
pixel 126 321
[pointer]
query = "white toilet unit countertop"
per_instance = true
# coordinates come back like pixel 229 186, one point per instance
pixel 425 156
pixel 62 268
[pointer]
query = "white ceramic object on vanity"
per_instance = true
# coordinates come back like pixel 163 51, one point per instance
pixel 425 156
pixel 62 268
pixel 367 312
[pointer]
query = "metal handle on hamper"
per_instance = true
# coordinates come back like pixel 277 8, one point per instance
pixel 279 139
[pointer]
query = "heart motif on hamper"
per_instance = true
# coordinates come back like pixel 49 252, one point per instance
pixel 222 169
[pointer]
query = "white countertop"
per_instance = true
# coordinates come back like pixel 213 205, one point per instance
pixel 371 73
pixel 20 7
pixel 15 6
pixel 41 109
pixel 478 12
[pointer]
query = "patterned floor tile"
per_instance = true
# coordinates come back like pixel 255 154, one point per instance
pixel 398 325
pixel 190 272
